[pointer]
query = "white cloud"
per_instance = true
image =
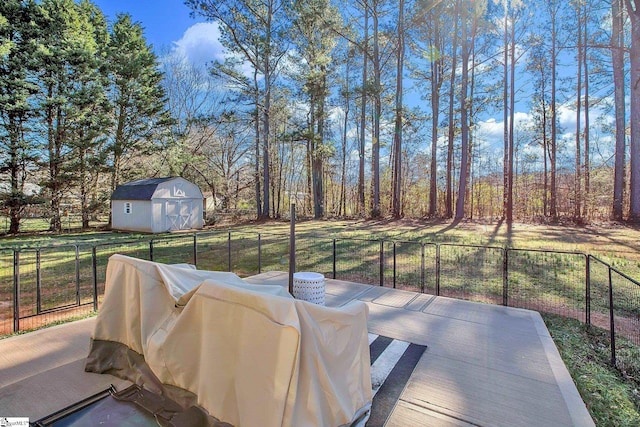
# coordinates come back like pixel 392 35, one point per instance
pixel 567 118
pixel 200 44
pixel 490 130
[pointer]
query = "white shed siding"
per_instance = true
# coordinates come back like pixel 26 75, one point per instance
pixel 137 220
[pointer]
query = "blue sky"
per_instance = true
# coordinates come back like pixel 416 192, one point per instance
pixel 168 26
pixel 165 21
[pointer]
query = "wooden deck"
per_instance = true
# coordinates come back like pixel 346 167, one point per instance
pixel 485 365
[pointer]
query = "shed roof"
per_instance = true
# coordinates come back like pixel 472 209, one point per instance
pixel 141 189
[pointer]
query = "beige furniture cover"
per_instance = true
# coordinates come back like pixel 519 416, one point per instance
pixel 251 354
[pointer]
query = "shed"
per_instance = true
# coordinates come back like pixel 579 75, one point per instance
pixel 157 205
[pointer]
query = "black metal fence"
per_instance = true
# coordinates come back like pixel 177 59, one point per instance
pixel 40 286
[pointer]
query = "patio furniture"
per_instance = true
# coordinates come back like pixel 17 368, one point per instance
pixel 309 286
pixel 247 354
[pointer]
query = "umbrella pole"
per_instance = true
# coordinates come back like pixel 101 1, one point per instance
pixel 292 247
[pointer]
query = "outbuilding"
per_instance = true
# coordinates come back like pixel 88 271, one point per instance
pixel 157 205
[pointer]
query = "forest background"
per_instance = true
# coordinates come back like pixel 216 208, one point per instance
pixel 362 108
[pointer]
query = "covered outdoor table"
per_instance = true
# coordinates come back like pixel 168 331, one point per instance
pixel 248 354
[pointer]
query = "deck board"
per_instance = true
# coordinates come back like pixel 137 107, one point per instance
pixel 484 396
pixel 23 356
pixel 484 365
pixel 420 302
pixel 43 371
pixel 398 299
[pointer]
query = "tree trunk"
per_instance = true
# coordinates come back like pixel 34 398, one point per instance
pixel 265 150
pixel 464 126
pixel 545 178
pixel 553 201
pixel 317 152
pixel 617 56
pixel 587 155
pixel 266 135
pixel 436 82
pixel 256 119
pixel 512 114
pixel 397 141
pixel 587 164
pixel 375 143
pixel 633 9
pixel 54 135
pixel 15 205
pixel 454 61
pixel 342 205
pixel 309 168
pixel 505 115
pixel 279 195
pixel 578 178
pixel 363 113
pixel 84 196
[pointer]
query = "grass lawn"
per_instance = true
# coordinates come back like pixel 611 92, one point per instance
pixel 41 225
pixel 612 397
pixel 607 240
pixel 616 244
pixel 603 240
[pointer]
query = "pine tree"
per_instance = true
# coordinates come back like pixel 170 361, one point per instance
pixel 92 120
pixel 136 96
pixel 16 90
pixel 66 60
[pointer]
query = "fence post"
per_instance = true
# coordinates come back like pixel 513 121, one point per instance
pixel 334 258
pixel 151 250
pixel 259 253
pixel 229 251
pixel 505 277
pixel 394 265
pixel 612 325
pixel 437 269
pixel 38 283
pixel 381 257
pixel 16 291
pixel 195 249
pixel 587 278
pixel 94 268
pixel 422 268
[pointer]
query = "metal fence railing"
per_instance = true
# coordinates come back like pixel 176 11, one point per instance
pixel 7 295
pixel 551 282
pixel 618 296
pixel 39 286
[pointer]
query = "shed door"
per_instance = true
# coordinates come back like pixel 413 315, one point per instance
pixel 178 214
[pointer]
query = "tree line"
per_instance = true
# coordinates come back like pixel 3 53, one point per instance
pixel 363 108
pixel 79 101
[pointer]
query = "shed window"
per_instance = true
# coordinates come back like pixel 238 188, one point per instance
pixel 127 207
